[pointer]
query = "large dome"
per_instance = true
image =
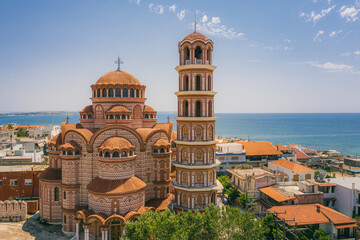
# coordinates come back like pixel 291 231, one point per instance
pixel 195 35
pixel 118 77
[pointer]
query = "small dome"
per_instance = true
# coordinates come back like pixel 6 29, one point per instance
pixel 196 35
pixel 161 143
pixel 148 109
pixel 118 77
pixel 118 109
pixel 87 109
pixel 118 143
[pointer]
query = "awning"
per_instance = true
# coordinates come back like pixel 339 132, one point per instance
pixel 352 225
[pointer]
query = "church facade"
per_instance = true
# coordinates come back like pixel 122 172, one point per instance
pixel 112 166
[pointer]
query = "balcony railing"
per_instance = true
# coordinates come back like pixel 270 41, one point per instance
pixel 196 61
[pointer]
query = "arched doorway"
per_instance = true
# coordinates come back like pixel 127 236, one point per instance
pixel 198 109
pixel 116 228
pixel 186 109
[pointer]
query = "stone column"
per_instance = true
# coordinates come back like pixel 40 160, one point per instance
pixel 77 230
pixel 86 232
pixel 102 234
pixel 106 230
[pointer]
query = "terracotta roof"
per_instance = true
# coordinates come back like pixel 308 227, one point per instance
pixel 276 195
pixel 51 174
pixel 283 148
pixel 294 167
pixel 118 77
pixel 161 142
pixel 259 149
pixel 123 186
pixel 77 127
pixel 301 155
pixel 56 140
pixel 149 109
pixel 174 135
pixel 327 184
pixel 144 132
pixel 308 214
pixel 87 109
pixel 165 126
pixel 118 109
pixel 160 204
pixel 71 144
pixel 195 35
pixel 116 143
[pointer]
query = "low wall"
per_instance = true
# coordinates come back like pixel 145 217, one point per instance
pixel 13 211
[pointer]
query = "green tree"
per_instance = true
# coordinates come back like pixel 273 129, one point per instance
pixel 10 126
pixel 22 133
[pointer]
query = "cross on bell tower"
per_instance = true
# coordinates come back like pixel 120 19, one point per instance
pixel 118 61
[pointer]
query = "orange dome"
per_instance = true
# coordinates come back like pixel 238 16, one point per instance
pixel 116 143
pixel 118 77
pixel 196 35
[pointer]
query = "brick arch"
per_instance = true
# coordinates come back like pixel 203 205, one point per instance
pixel 77 133
pixel 137 113
pixel 199 132
pixel 112 127
pixel 157 131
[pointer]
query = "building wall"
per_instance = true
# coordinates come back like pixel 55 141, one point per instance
pixel 14 210
pixel 289 173
pixel 344 200
pixel 8 192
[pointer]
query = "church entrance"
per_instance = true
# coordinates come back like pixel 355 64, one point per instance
pixel 116 228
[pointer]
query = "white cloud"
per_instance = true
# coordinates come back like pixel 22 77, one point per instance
pixel 287 40
pixel 158 9
pixel 288 48
pixel 135 1
pixel 334 33
pixel 181 14
pixel 314 17
pixel 172 8
pixel 215 20
pixel 345 54
pixel 331 66
pixel 349 13
pixel 357 53
pixel 317 36
pixel 204 18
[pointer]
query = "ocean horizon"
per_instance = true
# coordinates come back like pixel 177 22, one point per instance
pixel 321 131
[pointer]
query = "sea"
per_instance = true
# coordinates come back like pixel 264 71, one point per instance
pixel 320 131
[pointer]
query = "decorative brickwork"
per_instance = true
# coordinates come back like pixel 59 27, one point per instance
pixel 12 211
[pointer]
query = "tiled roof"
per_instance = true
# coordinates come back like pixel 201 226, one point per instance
pixel 308 214
pixel 259 149
pixel 165 126
pixel 195 35
pixel 118 109
pixel 87 109
pixel 292 166
pixel 161 142
pixel 71 144
pixel 276 195
pixel 116 143
pixel 301 155
pixel 116 187
pixel 77 127
pixel 118 77
pixel 55 140
pixel 51 174
pixel 160 204
pixel 149 109
pixel 283 148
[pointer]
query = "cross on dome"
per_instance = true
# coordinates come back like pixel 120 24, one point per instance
pixel 118 61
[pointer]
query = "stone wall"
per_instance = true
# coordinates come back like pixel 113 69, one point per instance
pixel 12 211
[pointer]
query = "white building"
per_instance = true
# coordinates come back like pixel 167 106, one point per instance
pixel 295 171
pixel 230 155
pixel 347 194
pixel 43 131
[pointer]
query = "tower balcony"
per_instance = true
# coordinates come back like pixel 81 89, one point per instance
pixel 195 66
pixel 197 61
pixel 218 187
pixel 198 166
pixel 195 119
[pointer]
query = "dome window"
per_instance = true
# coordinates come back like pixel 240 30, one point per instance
pixel 70 152
pixel 162 150
pixel 131 92
pixel 63 152
pixel 117 116
pixel 84 116
pixel 130 153
pixel 111 92
pixel 125 92
pixel 115 155
pixel 107 154
pixel 155 150
pixel 151 116
pixel 100 154
pixel 124 154
pixel 104 92
pixel 77 152
pixel 137 93
pixel 111 116
pixel 146 116
pixel 98 93
pixel 123 116
pixel 89 116
pixel 118 92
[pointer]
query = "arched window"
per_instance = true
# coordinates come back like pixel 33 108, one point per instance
pixel 210 109
pixel 198 109
pixel 131 153
pixel 211 177
pixel 56 194
pixel 155 150
pixel 84 116
pixel 100 154
pixel 198 83
pixel 77 152
pixel 111 92
pixel 211 155
pixel 115 154
pixel 186 83
pixel 184 154
pixel 117 116
pixel 198 155
pixel 198 132
pixel 199 199
pixel 185 132
pixel 117 92
pixel 64 195
pixel 111 116
pixel 131 92
pixel 125 92
pixel 187 53
pixel 89 116
pixel 63 152
pixel 98 92
pixel 208 55
pixel 209 83
pixel 70 152
pixel 94 93
pixel 162 150
pixel 107 154
pixel 198 178
pixel 198 52
pixel 146 116
pixel 185 177
pixel 123 116
pixel 137 92
pixel 124 154
pixel 104 92
pixel 210 132
pixel 151 116
pixel 186 108
pixel 64 219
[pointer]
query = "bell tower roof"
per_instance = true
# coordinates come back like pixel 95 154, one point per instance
pixel 196 35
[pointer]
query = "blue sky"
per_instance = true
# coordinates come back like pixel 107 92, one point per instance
pixel 272 56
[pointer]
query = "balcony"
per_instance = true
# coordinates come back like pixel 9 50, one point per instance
pixel 197 61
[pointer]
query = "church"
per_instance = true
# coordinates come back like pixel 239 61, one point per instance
pixel 116 163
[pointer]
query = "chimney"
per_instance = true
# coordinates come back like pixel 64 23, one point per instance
pixel 318 208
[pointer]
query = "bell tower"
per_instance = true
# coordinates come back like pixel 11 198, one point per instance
pixel 196 185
